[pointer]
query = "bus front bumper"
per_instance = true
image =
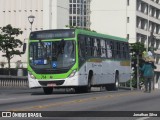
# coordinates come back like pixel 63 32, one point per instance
pixel 35 83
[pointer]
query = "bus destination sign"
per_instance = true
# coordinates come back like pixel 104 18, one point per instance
pixel 52 34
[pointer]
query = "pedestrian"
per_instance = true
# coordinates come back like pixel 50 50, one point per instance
pixel 148 74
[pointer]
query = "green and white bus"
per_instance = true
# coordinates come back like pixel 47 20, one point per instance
pixel 76 58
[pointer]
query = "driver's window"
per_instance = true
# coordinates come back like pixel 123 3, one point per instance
pixel 68 49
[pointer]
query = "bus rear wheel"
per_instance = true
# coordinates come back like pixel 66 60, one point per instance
pixel 114 86
pixel 48 90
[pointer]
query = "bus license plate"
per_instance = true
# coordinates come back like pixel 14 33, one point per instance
pixel 51 84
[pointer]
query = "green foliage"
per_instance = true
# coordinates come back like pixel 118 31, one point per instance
pixel 136 49
pixel 134 82
pixel 9 42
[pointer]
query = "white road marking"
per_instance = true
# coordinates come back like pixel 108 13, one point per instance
pixel 143 118
pixel 8 98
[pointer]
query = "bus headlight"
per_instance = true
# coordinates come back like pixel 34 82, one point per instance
pixel 72 73
pixel 31 75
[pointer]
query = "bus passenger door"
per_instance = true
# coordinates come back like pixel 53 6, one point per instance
pixel 82 60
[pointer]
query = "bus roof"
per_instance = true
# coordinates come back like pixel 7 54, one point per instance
pixel 92 33
pixel 58 33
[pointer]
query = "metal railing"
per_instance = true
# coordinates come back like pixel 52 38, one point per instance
pixel 13 81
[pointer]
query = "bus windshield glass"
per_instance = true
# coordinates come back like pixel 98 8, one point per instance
pixel 55 54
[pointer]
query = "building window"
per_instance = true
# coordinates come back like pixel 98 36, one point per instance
pixel 78 21
pixel 74 20
pixel 74 8
pixel 127 19
pixel 127 36
pixel 70 8
pixel 70 20
pixel 79 9
pixel 128 2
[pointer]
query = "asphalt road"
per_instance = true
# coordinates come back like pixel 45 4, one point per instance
pixel 95 105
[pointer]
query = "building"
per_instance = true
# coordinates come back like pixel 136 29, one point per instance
pixel 79 11
pixel 126 18
pixel 49 14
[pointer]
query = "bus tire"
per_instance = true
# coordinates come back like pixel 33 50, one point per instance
pixel 88 87
pixel 48 90
pixel 85 89
pixel 78 89
pixel 114 86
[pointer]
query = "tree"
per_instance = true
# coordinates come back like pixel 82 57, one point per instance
pixel 137 50
pixel 138 47
pixel 9 42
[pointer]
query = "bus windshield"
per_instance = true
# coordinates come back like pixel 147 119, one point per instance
pixel 55 54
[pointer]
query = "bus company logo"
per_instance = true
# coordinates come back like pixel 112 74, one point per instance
pixel 6 114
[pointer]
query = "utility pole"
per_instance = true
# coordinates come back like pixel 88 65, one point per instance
pixel 137 71
pixel 152 37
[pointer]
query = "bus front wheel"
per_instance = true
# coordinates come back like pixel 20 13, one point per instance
pixel 48 90
pixel 87 88
pixel 84 89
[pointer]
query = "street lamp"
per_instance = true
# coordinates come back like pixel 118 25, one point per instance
pixel 31 20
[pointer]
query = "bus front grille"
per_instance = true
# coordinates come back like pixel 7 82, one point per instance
pixel 45 83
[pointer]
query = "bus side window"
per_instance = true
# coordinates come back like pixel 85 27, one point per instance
pixel 109 51
pixel 112 48
pixel 103 48
pixel 92 47
pixel 118 53
pixel 88 46
pixel 127 51
pixel 95 47
pixel 123 51
pixel 99 48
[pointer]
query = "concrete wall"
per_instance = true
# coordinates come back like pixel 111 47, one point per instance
pixel 114 17
pixel 109 17
pixel 131 25
pixel 56 14
pixel 62 13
